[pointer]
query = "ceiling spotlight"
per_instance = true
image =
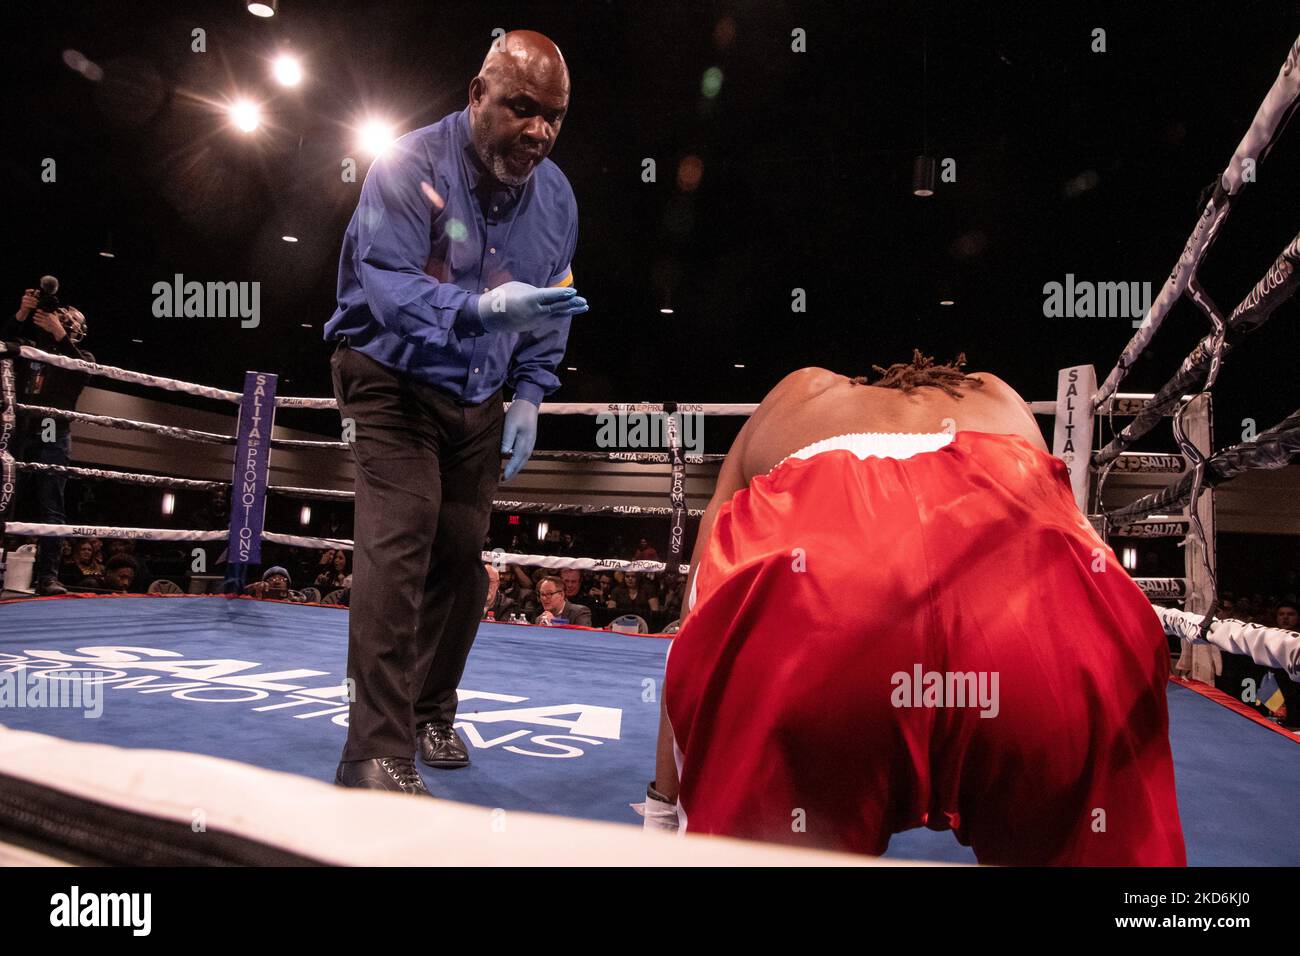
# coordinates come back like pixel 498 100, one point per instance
pixel 375 136
pixel 287 70
pixel 289 238
pixel 947 302
pixel 263 8
pixel 570 368
pixel 666 311
pixel 246 115
pixel 737 365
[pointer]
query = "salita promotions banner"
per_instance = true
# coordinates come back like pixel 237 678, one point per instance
pixel 252 468
pixel 1072 440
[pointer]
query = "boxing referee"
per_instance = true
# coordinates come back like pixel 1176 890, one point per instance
pixel 454 281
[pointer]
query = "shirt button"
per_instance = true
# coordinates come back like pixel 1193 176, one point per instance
pixel 486 289
pixel 492 250
pixel 495 208
pixel 475 371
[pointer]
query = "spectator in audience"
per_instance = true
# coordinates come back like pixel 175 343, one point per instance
pixel 671 595
pixel 83 564
pixel 275 585
pixel 568 544
pixel 645 551
pixel 632 597
pixel 601 591
pixel 498 607
pixel 518 587
pixel 555 609
pixel 574 592
pixel 334 573
pixel 119 575
pixel 1285 615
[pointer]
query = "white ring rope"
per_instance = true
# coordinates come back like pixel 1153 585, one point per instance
pixel 129 477
pixel 32 529
pixel 1273 111
pixel 127 424
pixel 1267 646
pixel 122 375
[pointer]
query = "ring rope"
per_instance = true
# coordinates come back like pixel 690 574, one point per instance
pixel 1270 647
pixel 1268 450
pixel 120 374
pixel 1277 107
pixel 128 477
pixel 127 424
pixel 1277 285
pixel 32 529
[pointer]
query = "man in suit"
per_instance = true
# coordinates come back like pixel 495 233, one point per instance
pixel 557 610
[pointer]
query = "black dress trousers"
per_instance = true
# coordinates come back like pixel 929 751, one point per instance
pixel 427 469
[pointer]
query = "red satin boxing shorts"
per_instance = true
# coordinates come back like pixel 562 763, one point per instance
pixel 941 641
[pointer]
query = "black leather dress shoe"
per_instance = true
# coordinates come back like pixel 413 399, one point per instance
pixel 49 587
pixel 395 774
pixel 441 746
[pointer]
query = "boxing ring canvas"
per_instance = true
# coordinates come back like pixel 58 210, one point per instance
pixel 559 720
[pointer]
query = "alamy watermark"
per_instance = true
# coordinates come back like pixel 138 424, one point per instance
pixel 67 690
pixel 209 300
pixel 1081 299
pixel 923 688
pixel 641 430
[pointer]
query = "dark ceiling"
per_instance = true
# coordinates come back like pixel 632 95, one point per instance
pixel 1067 160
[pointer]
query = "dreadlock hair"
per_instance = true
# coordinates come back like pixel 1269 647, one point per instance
pixel 922 372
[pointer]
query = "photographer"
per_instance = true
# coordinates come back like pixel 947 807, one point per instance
pixel 275 586
pixel 42 323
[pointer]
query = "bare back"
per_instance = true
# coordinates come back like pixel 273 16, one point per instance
pixel 814 403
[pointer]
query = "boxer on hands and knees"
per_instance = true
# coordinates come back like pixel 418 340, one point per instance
pixel 454 281
pixel 862 536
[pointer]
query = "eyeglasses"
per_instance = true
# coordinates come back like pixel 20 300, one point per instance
pixel 548 593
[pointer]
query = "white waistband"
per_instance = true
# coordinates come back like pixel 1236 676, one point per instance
pixel 877 444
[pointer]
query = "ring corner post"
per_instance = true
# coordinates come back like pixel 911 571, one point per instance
pixel 1072 435
pixel 249 477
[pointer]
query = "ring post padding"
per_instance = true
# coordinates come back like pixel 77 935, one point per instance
pixel 250 474
pixel 1200 585
pixel 1072 438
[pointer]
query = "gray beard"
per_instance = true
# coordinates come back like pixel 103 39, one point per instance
pixel 501 175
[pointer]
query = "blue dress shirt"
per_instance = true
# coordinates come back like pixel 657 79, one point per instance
pixel 432 232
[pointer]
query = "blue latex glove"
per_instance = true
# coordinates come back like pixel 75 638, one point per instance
pixel 520 307
pixel 520 435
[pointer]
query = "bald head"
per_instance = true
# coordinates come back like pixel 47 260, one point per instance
pixel 517 103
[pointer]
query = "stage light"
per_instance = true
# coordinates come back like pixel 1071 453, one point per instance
pixel 923 176
pixel 263 8
pixel 375 136
pixel 168 503
pixel 304 516
pixel 246 115
pixel 287 70
pixel 289 238
pixel 543 527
